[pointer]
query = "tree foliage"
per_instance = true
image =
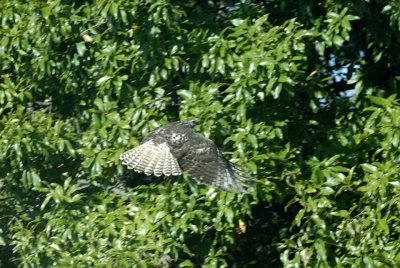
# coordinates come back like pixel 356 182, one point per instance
pixel 301 93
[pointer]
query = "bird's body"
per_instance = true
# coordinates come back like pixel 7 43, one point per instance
pixel 173 148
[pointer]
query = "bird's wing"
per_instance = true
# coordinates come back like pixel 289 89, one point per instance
pixel 152 158
pixel 206 164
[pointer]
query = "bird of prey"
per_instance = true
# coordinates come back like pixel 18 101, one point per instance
pixel 173 148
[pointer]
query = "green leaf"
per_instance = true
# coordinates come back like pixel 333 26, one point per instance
pixel 186 263
pixel 369 168
pixel 103 79
pixel 81 48
pixel 299 217
pixel 321 249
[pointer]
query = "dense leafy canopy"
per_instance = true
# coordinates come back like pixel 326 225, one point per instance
pixel 301 93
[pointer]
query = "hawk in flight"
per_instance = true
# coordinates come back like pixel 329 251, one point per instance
pixel 173 148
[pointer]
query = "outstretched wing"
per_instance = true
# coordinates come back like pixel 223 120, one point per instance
pixel 205 163
pixel 152 158
pixel 171 149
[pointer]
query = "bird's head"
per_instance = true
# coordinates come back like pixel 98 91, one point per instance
pixel 190 123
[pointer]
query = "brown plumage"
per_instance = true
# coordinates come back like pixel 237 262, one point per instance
pixel 173 148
